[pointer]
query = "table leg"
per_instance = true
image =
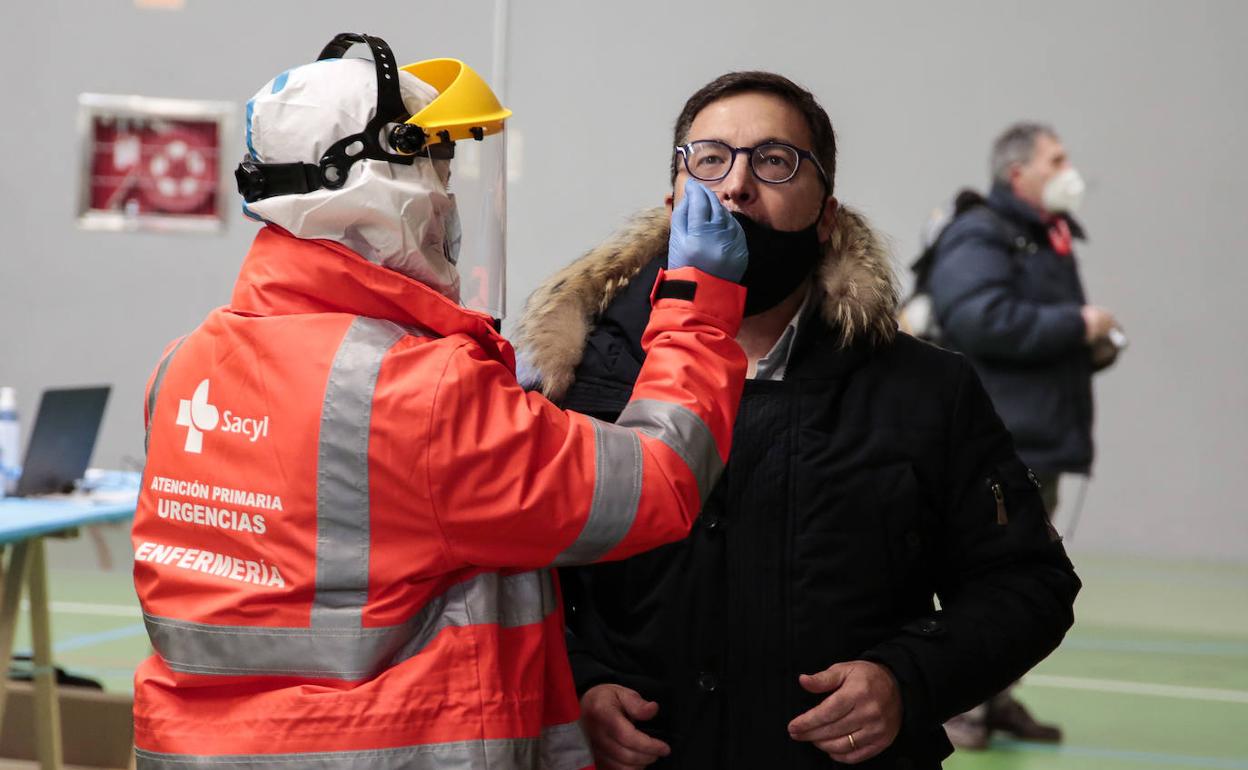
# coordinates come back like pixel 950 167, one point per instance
pixel 14 578
pixel 47 707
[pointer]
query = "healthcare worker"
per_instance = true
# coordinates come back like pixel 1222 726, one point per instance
pixel 350 509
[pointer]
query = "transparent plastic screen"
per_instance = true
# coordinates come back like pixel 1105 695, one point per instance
pixel 479 182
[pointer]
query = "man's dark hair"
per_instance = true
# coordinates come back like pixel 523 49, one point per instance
pixel 821 132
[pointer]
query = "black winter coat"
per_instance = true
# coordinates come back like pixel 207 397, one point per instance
pixel 858 489
pixel 1011 303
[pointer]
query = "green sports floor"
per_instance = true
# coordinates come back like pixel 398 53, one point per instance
pixel 1153 675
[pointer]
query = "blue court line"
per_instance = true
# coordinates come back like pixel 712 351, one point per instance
pixel 1178 760
pixel 1174 647
pixel 99 637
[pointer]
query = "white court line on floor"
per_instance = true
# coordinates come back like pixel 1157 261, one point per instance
pixel 1137 688
pixel 85 608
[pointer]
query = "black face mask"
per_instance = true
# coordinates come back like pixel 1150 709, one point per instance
pixel 779 261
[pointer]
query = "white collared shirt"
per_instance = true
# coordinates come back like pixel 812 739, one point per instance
pixel 772 366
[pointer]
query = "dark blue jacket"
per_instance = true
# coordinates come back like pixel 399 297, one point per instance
pixel 1011 303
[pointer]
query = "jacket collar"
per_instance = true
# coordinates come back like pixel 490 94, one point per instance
pixel 855 278
pixel 1003 200
pixel 285 275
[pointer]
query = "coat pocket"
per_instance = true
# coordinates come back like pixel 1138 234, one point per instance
pixel 904 520
pixel 857 564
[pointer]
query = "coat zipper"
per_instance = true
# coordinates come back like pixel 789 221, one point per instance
pixel 1035 481
pixel 999 496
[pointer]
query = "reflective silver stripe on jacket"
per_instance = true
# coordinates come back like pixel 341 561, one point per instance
pixel 350 653
pixel 683 431
pixel 342 499
pixel 617 492
pixel 151 395
pixel 336 645
pixel 562 747
pixel 618 470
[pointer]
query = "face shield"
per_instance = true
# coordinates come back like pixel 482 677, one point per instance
pixel 457 135
pixel 478 185
pixel 467 113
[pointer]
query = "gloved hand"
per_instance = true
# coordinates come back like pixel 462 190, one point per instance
pixel 705 236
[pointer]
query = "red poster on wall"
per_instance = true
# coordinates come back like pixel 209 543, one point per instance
pixel 152 163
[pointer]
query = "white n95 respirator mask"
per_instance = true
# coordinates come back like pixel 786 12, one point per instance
pixel 1063 194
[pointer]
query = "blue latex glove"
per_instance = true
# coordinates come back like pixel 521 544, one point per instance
pixel 706 236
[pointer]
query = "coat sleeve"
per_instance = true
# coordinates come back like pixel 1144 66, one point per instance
pixel 587 670
pixel 517 482
pixel 972 285
pixel 1005 584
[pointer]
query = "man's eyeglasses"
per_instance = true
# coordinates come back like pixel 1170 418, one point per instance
pixel 709 160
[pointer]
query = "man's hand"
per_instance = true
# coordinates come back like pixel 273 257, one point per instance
pixel 865 704
pixel 607 714
pixel 1097 321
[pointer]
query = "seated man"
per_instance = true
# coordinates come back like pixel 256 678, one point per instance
pixel 869 476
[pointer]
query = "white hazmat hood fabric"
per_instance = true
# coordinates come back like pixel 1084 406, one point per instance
pixel 393 215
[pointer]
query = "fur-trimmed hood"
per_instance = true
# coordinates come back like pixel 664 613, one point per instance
pixel 860 293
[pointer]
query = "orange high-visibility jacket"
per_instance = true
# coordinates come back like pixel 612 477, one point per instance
pixel 350 512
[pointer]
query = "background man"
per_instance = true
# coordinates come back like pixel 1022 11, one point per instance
pixel 1006 291
pixel 868 474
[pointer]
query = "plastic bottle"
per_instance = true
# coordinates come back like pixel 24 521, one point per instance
pixel 10 441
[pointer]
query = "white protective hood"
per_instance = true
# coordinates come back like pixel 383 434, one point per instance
pixel 392 215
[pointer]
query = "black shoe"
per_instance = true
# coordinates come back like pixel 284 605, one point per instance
pixel 1009 716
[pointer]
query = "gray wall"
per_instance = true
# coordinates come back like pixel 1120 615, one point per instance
pixel 1149 96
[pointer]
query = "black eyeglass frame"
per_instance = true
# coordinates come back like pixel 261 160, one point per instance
pixel 685 150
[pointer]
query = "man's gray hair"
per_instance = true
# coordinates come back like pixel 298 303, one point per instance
pixel 1016 144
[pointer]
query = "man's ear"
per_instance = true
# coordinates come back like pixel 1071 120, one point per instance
pixel 669 201
pixel 1016 175
pixel 827 219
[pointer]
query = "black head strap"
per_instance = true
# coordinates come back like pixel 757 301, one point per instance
pixel 262 180
pixel 342 154
pixel 257 181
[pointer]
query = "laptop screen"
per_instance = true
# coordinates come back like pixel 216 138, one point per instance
pixel 63 438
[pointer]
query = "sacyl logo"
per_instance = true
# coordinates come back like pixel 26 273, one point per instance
pixel 197 416
pixel 200 417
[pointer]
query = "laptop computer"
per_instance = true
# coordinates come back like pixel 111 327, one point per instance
pixel 63 438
